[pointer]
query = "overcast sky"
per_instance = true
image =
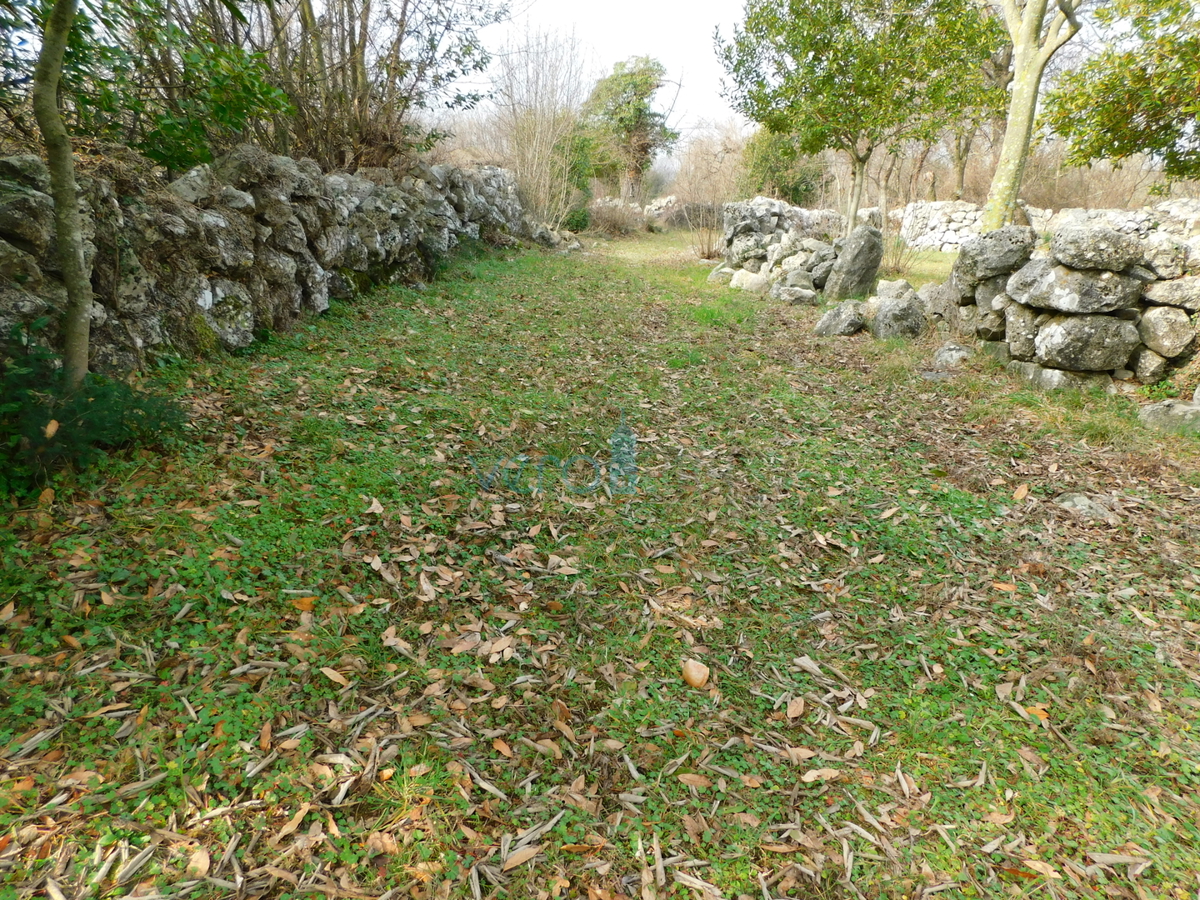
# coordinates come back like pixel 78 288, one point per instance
pixel 677 34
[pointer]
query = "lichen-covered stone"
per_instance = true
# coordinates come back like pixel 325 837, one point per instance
pixel 1166 330
pixel 1086 343
pixel 1183 292
pixel 1044 285
pixel 1095 247
pixel 853 274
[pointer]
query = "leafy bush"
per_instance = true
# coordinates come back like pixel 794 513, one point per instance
pixel 776 168
pixel 577 220
pixel 44 427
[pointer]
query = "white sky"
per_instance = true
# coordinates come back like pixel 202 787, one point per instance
pixel 677 34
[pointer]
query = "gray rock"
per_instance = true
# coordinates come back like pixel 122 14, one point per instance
pixel 235 199
pixel 1149 366
pixel 1196 395
pixel 989 289
pixel 745 280
pixel 1020 331
pixel 1172 415
pixel 1141 273
pixel 1095 247
pixel 1086 343
pixel 844 319
pixel 26 169
pixel 720 275
pixel 797 296
pixel 26 217
pixel 820 273
pixel 194 185
pixel 795 261
pixel 899 317
pixel 940 303
pixel 886 289
pixel 997 350
pixel 1165 256
pixel 1167 330
pixel 854 272
pixel 1085 507
pixel 967 321
pixel 999 252
pixel 752 265
pixel 744 247
pixel 798 278
pixel 1183 292
pixel 826 254
pixel 1001 302
pixel 991 325
pixel 1046 379
pixel 19 267
pixel 950 356
pixel 1042 284
pixel 228 309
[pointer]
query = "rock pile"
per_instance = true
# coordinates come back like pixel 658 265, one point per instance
pixel 236 248
pixel 1099 304
pixel 774 249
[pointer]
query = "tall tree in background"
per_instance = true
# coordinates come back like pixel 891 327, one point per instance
pixel 1139 95
pixel 68 228
pixel 1038 29
pixel 629 129
pixel 856 75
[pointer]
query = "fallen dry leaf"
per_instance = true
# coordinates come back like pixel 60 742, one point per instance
pixel 819 775
pixel 199 863
pixel 695 673
pixel 520 856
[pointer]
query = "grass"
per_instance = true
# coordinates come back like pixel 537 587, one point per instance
pixel 343 644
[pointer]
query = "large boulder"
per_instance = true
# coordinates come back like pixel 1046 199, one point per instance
pixel 1045 285
pixel 1095 247
pixel 899 317
pixel 844 319
pixel 1148 366
pixel 999 252
pixel 853 274
pixel 1086 343
pixel 1184 292
pixel 1172 415
pixel 1166 330
pixel 940 302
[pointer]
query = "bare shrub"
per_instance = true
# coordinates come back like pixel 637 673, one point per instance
pixel 709 175
pixel 614 217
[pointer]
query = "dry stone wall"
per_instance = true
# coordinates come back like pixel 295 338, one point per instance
pixel 231 250
pixel 947 224
pixel 1097 304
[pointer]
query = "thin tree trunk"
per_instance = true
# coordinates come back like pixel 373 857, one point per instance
pixel 68 228
pixel 860 177
pixel 1014 152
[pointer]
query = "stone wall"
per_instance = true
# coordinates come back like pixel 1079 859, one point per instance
pixel 235 249
pixel 947 224
pixel 1098 304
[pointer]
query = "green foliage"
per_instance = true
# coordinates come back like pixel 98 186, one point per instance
pixel 1141 94
pixel 854 75
pixel 775 167
pixel 577 220
pixel 45 427
pixel 626 131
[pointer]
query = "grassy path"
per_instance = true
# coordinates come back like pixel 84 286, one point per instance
pixel 394 624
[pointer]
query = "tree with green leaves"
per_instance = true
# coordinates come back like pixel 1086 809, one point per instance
pixel 628 130
pixel 856 75
pixel 1139 95
pixel 1038 29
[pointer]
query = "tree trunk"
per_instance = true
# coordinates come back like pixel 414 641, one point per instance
pixel 860 177
pixel 1010 168
pixel 962 154
pixel 77 318
pixel 1032 48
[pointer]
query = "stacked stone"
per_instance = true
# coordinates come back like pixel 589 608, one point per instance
pixel 776 249
pixel 242 246
pixel 1100 305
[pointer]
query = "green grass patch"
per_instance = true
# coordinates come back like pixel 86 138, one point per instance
pixel 395 619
